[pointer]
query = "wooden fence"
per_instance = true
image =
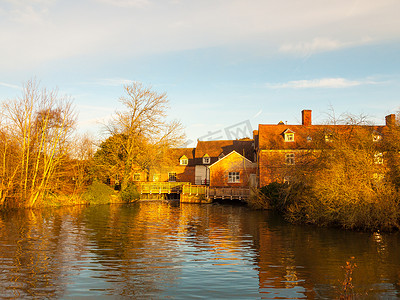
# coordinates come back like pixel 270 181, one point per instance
pixel 161 187
pixel 228 193
pixel 186 188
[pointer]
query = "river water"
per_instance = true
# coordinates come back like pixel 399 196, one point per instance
pixel 161 250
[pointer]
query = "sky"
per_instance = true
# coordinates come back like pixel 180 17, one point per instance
pixel 225 65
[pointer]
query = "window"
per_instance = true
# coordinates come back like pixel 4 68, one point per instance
pixel 289 137
pixel 136 177
pixel 233 177
pixel 183 161
pixel 309 139
pixel 289 158
pixel 376 137
pixel 378 158
pixel 206 159
pixel 328 137
pixel 172 176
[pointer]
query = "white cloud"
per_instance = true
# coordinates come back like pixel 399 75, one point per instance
pixel 333 83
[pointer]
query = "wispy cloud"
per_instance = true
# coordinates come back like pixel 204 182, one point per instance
pixel 127 3
pixel 113 82
pixel 13 86
pixel 319 45
pixel 333 83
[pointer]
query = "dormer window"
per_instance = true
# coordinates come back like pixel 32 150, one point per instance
pixel 376 137
pixel 183 161
pixel 289 135
pixel 206 159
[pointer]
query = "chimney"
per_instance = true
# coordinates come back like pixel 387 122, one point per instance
pixel 306 117
pixel 390 120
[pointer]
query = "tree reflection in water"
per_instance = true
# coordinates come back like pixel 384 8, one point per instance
pixel 183 251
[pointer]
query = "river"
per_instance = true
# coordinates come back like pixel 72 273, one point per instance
pixel 167 250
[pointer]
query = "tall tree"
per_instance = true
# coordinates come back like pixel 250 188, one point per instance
pixel 38 126
pixel 143 129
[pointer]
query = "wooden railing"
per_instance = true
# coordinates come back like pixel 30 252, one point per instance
pixel 225 192
pixel 196 190
pixel 189 189
pixel 161 187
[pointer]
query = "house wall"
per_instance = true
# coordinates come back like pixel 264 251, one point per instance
pixel 183 174
pixel 272 165
pixel 219 172
pixel 201 175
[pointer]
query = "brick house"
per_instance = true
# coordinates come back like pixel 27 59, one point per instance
pixel 233 170
pixel 281 146
pixel 180 168
pixel 209 152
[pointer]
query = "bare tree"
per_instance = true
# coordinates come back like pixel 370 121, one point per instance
pixel 40 124
pixel 144 128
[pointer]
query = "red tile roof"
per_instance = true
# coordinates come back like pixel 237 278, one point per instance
pixel 272 136
pixel 215 148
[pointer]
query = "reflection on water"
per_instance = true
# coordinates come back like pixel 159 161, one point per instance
pixel 156 250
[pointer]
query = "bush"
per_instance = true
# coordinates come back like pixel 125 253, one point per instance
pixel 98 193
pixel 281 195
pixel 274 194
pixel 130 193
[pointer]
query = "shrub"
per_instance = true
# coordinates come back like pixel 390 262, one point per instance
pixel 130 193
pixel 98 193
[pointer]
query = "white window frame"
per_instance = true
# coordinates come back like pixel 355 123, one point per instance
pixel 289 137
pixel 376 138
pixel 136 176
pixel 172 177
pixel 289 158
pixel 206 160
pixel 234 177
pixel 184 161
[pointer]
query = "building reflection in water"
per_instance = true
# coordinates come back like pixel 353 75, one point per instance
pixel 172 250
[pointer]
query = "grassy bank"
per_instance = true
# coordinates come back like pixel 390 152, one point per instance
pixel 95 193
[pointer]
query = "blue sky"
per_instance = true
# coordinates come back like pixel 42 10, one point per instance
pixel 221 62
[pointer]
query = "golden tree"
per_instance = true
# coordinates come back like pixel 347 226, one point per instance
pixel 346 180
pixel 36 130
pixel 144 130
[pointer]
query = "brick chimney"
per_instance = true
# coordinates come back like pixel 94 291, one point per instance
pixel 306 117
pixel 390 120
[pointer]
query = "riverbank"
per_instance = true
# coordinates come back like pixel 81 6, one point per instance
pixel 301 204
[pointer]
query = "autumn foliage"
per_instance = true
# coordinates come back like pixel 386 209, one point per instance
pixel 352 181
